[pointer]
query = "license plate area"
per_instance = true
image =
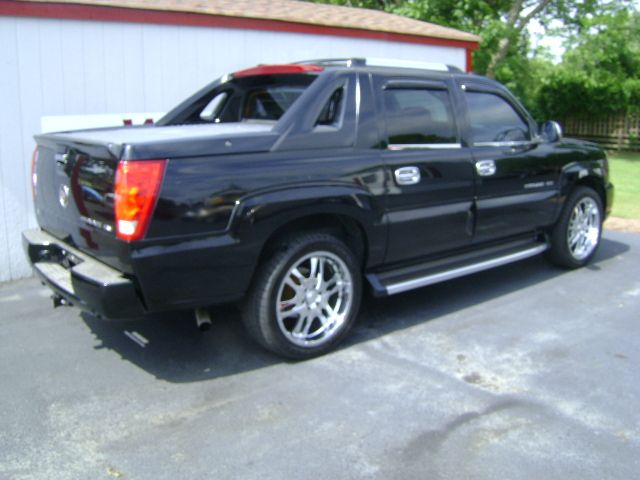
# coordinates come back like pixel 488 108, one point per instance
pixel 53 253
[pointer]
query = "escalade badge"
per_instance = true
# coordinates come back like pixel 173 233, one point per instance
pixel 63 195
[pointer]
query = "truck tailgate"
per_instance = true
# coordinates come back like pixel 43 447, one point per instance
pixel 74 197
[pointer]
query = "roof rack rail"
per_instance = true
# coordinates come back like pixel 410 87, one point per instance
pixel 381 62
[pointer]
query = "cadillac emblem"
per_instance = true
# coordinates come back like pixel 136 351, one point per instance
pixel 63 195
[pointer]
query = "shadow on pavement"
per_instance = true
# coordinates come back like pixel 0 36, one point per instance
pixel 176 351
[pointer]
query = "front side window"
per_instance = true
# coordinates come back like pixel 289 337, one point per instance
pixel 419 117
pixel 494 120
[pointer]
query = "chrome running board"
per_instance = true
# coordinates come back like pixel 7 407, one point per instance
pixel 388 284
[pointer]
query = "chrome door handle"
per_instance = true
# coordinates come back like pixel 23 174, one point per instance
pixel 486 168
pixel 407 175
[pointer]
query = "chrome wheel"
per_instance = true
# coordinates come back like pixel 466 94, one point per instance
pixel 314 299
pixel 583 232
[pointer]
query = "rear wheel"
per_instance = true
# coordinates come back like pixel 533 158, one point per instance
pixel 576 235
pixel 305 297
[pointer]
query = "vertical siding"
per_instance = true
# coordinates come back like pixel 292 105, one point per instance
pixel 15 202
pixel 7 61
pixel 69 67
pixel 30 104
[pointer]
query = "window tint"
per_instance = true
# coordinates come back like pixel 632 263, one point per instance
pixel 419 116
pixel 330 113
pixel 493 119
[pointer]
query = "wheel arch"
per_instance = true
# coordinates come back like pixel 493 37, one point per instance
pixel 345 227
pixel 585 174
pixel 593 183
pixel 351 213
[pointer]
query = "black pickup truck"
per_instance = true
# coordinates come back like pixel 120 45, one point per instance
pixel 291 187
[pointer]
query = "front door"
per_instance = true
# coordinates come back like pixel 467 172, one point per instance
pixel 517 178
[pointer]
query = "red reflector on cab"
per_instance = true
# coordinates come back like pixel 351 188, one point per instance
pixel 137 186
pixel 277 70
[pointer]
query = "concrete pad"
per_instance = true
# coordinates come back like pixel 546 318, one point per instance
pixel 522 372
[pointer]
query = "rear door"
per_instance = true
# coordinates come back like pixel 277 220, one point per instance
pixel 517 180
pixel 429 172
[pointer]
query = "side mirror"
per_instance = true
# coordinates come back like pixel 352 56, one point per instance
pixel 551 132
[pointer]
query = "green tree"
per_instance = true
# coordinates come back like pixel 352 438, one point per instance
pixel 502 24
pixel 602 64
pixel 602 38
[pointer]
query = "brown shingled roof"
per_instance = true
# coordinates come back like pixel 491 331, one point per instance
pixel 293 11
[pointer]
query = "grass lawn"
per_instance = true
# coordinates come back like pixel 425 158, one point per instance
pixel 624 168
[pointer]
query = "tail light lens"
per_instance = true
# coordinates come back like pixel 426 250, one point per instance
pixel 34 172
pixel 137 187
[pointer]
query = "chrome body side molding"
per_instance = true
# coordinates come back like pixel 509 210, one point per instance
pixel 423 146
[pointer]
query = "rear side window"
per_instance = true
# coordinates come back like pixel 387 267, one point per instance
pixel 214 107
pixel 419 116
pixel 494 120
pixel 330 113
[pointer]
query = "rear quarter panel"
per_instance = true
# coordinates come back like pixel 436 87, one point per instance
pixel 215 214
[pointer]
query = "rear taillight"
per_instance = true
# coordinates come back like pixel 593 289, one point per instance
pixel 137 187
pixel 34 172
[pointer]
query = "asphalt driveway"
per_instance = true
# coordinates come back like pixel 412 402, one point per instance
pixel 522 372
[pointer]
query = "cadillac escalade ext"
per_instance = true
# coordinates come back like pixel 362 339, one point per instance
pixel 291 188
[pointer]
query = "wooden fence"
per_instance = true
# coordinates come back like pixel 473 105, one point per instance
pixel 615 132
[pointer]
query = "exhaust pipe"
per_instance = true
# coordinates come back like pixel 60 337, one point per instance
pixel 203 319
pixel 59 301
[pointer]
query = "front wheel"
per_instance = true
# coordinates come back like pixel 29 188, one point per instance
pixel 304 298
pixel 576 235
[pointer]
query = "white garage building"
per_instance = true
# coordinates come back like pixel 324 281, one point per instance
pixel 68 64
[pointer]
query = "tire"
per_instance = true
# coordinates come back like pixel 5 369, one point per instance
pixel 304 297
pixel 576 235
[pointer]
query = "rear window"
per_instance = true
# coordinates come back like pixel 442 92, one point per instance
pixel 419 116
pixel 270 103
pixel 260 98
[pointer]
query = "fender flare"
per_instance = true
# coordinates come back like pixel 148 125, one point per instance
pixel 259 216
pixel 590 173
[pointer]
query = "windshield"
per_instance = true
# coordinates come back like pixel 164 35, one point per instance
pixel 260 98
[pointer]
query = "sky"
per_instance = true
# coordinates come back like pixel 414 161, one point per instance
pixel 553 43
pixel 539 39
